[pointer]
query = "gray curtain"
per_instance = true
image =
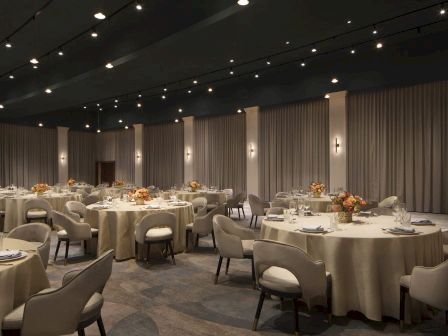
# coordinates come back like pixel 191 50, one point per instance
pixel 81 156
pixel 28 155
pixel 163 155
pixel 398 145
pixel 293 146
pixel 219 154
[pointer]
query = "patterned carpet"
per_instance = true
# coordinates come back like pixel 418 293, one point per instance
pixel 165 299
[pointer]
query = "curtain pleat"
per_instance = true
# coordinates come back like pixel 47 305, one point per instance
pixel 28 155
pixel 163 160
pixel 397 145
pixel 82 156
pixel 293 146
pixel 219 155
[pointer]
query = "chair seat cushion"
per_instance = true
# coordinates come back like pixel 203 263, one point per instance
pixel 248 247
pixel 92 308
pixel 158 234
pixel 211 206
pixel 189 226
pixel 36 214
pixel 445 251
pixel 405 281
pixel 63 233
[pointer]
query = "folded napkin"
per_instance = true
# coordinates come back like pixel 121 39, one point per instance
pixel 8 254
pixel 312 227
pixel 420 221
pixel 153 206
pixel 278 218
pixel 178 203
pixel 101 207
pixel 403 229
pixel 365 213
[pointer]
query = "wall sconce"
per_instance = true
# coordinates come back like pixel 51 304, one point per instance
pixel 337 145
pixel 251 150
pixel 62 157
pixel 188 155
pixel 138 156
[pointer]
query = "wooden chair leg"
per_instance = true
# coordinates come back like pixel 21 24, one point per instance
pixel 329 305
pixel 253 273
pixel 187 235
pixel 171 247
pixel 239 215
pixel 136 251
pixel 85 246
pixel 57 249
pixel 258 312
pixel 101 326
pixel 296 316
pixel 148 251
pixel 256 219
pixel 242 209
pixel 67 245
pixel 197 240
pixel 251 219
pixel 218 269
pixel 403 291
pixel 213 238
pixel 227 265
pixel 81 332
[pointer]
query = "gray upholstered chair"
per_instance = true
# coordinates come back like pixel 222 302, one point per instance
pixel 37 209
pixel 289 273
pixel 91 199
pixel 281 194
pixel 76 210
pixel 81 299
pixel 199 206
pixel 36 233
pixel 228 192
pixel 427 285
pixel 258 208
pixel 71 230
pixel 83 193
pixel 280 203
pixel 388 202
pixel 212 200
pixel 203 226
pixel 158 228
pixel 233 241
pixel 275 211
pixel 236 202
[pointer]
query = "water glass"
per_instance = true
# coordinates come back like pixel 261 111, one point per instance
pixel 334 220
pixel 287 215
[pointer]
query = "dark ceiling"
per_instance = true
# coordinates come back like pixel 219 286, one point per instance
pixel 169 43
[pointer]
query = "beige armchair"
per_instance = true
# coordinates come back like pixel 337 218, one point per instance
pixel 80 296
pixel 228 192
pixel 71 230
pixel 76 210
pixel 427 285
pixel 258 208
pixel 37 209
pixel 236 202
pixel 280 203
pixel 212 200
pixel 275 211
pixel 289 273
pixel 388 202
pixel 83 193
pixel 281 194
pixel 35 233
pixel 158 228
pixel 203 226
pixel 199 206
pixel 91 199
pixel 233 241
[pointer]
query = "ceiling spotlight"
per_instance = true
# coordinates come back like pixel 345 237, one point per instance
pixel 442 11
pixel 195 82
pixel 210 89
pixel 35 66
pixel 379 45
pixel 302 64
pixel 34 61
pixel 139 105
pixel 327 96
pixel 138 6
pixel 256 76
pixel 8 44
pixel 231 72
pixel 176 120
pixel 40 124
pixel 101 108
pixel 243 2
pixel 165 89
pixel 120 121
pixel 1 106
pixel 97 104
pixel 84 107
pixel 98 130
pixel 349 21
pixel 109 65
pixel 334 80
pixel 239 111
pixel 189 91
pixel 126 127
pixel 99 16
pixel 87 126
pixel 268 62
pixel 287 42
pixel 352 51
pixel 60 52
pixel 180 110
pixel 11 76
pixel 314 50
pixel 48 91
pixel 115 106
pixel 374 31
pixel 163 97
pixel 94 34
pixel 116 100
pixel 139 95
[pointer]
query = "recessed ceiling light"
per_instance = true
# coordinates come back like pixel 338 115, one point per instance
pixel 60 52
pixel 379 45
pixel 34 61
pixel 210 89
pixel 268 62
pixel 116 100
pixel 231 72
pixel 115 106
pixel 231 60
pixel 256 76
pixel 442 11
pixel 176 120
pixel 87 126
pixel 139 95
pixel 109 65
pixel 180 110
pixel 139 105
pixel 334 80
pixel 302 64
pixel 40 124
pixel 98 130
pixel 327 96
pixel 1 106
pixel 126 127
pixel 313 50
pixel 99 16
pixel 48 91
pixel 239 111
pixel 243 2
pixel 349 21
pixel 189 91
pixel 11 76
pixel 120 121
pixel 138 6
pixel 163 97
pixel 84 107
pixel 101 108
pixel 352 51
pixel 35 66
pixel 8 44
pixel 374 31
pixel 97 104
pixel 287 42
pixel 94 34
pixel 165 89
pixel 195 81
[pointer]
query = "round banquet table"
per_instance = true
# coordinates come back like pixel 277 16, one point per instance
pixel 116 225
pixel 21 278
pixel 365 262
pixel 14 206
pixel 188 196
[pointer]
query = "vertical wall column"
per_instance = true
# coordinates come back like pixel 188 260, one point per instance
pixel 338 140
pixel 188 148
pixel 252 161
pixel 62 154
pixel 138 154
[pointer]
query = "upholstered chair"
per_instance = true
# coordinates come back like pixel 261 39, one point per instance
pixel 83 193
pixel 158 228
pixel 76 210
pixel 236 202
pixel 199 206
pixel 445 245
pixel 280 203
pixel 91 199
pixel 67 309
pixel 281 194
pixel 228 192
pixel 388 202
pixel 203 226
pixel 37 209
pixel 71 230
pixel 212 200
pixel 427 285
pixel 258 208
pixel 289 273
pixel 275 211
pixel 232 241
pixel 38 234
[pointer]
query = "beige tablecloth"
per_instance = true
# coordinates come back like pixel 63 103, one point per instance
pixel 116 226
pixel 365 262
pixel 24 278
pixel 14 206
pixel 189 196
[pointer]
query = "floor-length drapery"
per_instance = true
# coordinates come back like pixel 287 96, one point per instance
pixel 397 145
pixel 28 155
pixel 219 154
pixel 293 146
pixel 81 156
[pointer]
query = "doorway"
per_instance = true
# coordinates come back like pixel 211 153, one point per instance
pixel 105 172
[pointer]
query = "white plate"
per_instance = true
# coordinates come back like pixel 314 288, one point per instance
pixel 315 231
pixel 399 232
pixel 22 255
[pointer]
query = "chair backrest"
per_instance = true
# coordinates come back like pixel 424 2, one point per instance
pixel 281 194
pixel 37 203
pixel 388 202
pixel 91 199
pixel 161 219
pixel 256 205
pixel 83 193
pixel 204 224
pixel 310 274
pixel 75 210
pixel 72 297
pixel 212 197
pixel 199 202
pixel 280 203
pixel 275 211
pixel 228 192
pixel 75 230
pixel 428 285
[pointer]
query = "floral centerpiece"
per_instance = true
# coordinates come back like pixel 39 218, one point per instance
pixel 140 196
pixel 346 204
pixel 194 185
pixel 118 183
pixel 317 188
pixel 71 182
pixel 40 188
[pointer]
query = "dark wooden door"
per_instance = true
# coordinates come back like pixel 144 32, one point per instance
pixel 105 172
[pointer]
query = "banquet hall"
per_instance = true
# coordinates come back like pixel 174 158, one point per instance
pixel 231 167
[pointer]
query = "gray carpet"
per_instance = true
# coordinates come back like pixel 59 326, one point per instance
pixel 165 299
